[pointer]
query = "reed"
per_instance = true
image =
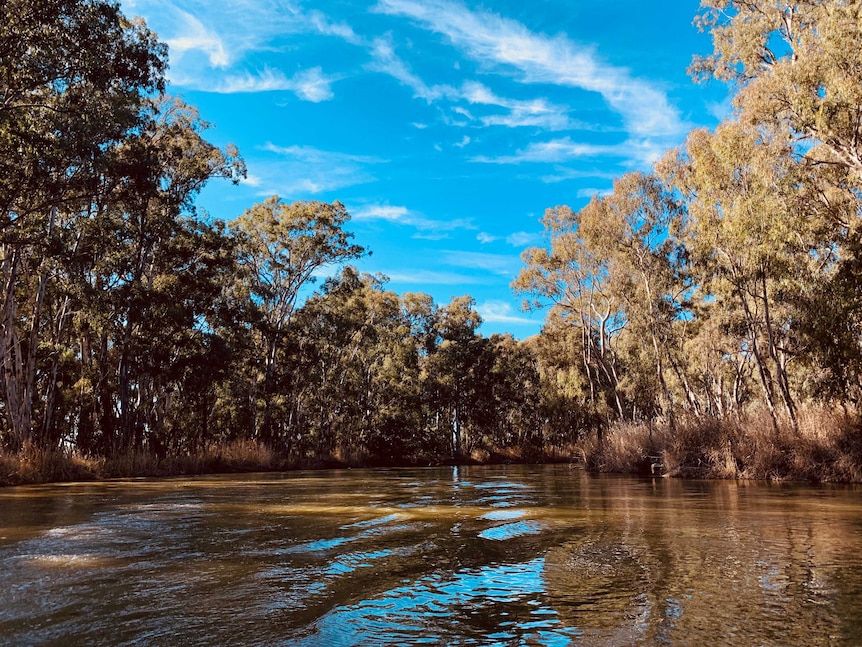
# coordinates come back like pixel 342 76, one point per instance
pixel 35 465
pixel 826 447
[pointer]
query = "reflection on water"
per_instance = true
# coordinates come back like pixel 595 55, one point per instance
pixel 467 556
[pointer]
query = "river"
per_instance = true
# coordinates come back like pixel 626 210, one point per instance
pixel 508 555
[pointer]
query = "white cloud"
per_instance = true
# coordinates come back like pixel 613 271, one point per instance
pixel 554 151
pixel 310 85
pixel 251 180
pixel 427 228
pixel 523 239
pixel 536 58
pixel 311 155
pixel 323 25
pixel 536 112
pixel 386 61
pixel 297 171
pixel 381 212
pixel 194 36
pixel 593 192
pixel 562 174
pixel 430 277
pixel 501 264
pixel 485 238
pixel 501 312
pixel 226 32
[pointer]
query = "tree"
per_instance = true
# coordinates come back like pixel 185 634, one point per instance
pixel 147 271
pixel 797 68
pixel 574 279
pixel 632 231
pixel 753 239
pixel 282 246
pixel 448 372
pixel 75 77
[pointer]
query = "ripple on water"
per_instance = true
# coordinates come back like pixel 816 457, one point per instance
pixel 600 586
pixel 351 561
pixel 371 523
pixel 512 530
pixel 434 608
pixel 503 515
pixel 319 545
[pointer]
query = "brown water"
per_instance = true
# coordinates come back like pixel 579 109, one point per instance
pixel 525 555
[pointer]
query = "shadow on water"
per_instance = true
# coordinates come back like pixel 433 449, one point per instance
pixel 501 555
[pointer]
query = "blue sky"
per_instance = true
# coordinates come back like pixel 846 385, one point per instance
pixel 445 128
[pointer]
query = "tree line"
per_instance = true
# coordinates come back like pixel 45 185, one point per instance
pixel 727 279
pixel 724 280
pixel 133 323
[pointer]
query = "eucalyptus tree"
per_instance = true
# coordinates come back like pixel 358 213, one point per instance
pixel 797 70
pixel 633 231
pixel 510 408
pixel 75 77
pixel 754 242
pixel 282 246
pixel 570 276
pixel 568 406
pixel 149 270
pixel 449 373
pixel 796 67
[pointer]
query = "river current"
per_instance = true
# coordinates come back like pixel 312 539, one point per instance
pixel 507 555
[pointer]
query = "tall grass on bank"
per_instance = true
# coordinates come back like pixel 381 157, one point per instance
pixel 826 448
pixel 35 465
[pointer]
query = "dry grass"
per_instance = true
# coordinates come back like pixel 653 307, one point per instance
pixel 827 447
pixel 34 465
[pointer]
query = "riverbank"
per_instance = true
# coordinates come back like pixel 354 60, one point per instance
pixel 826 447
pixel 33 465
pixel 37 466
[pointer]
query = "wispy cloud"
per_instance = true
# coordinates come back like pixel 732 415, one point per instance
pixel 309 85
pixel 536 112
pixel 386 61
pixel 311 155
pixel 502 312
pixel 555 151
pixel 251 180
pixel 323 25
pixel 500 264
pixel 430 277
pixel 297 171
pixel 312 85
pixel 508 45
pixel 484 238
pixel 524 238
pixel 192 35
pixel 226 33
pixel 562 174
pixel 427 228
pixel 594 192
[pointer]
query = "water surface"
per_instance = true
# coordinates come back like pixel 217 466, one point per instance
pixel 513 555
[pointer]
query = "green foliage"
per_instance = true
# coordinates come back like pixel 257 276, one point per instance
pixel 724 282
